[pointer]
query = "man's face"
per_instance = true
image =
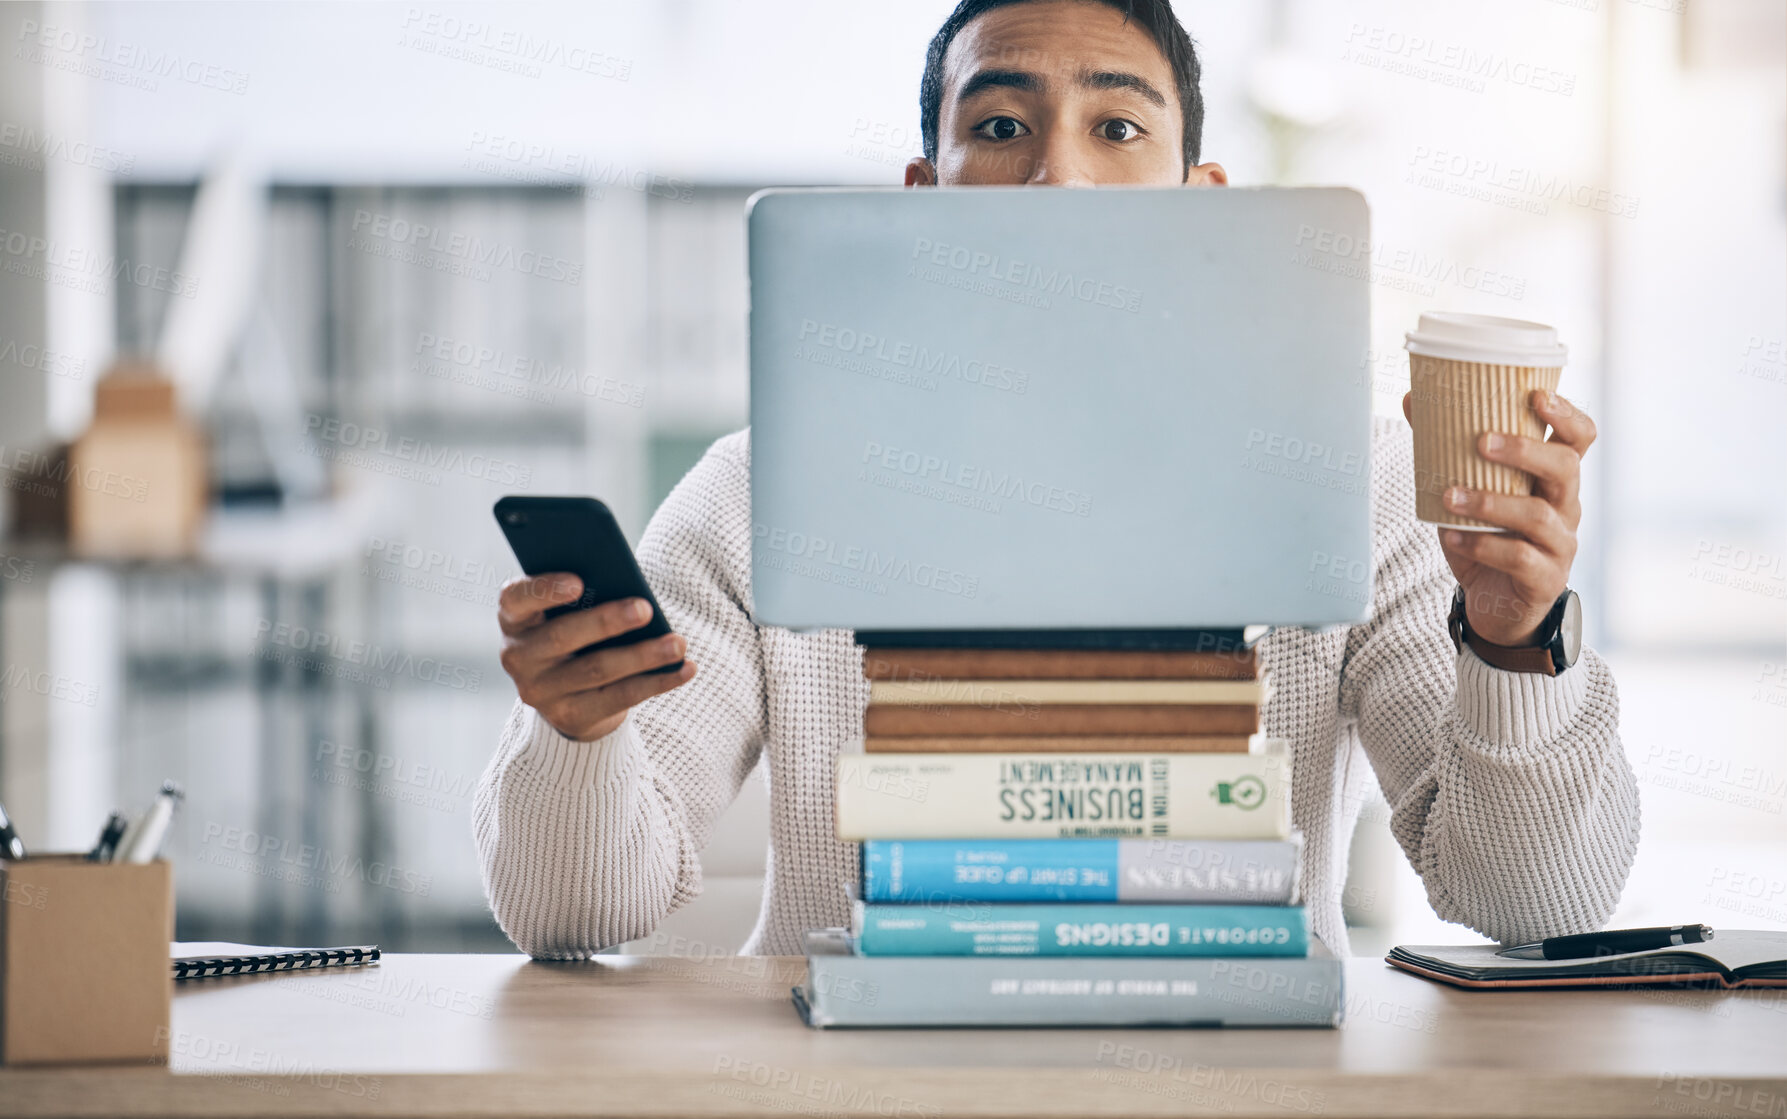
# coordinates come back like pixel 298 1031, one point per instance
pixel 1060 93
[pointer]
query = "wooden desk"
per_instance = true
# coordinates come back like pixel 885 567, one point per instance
pixel 636 1036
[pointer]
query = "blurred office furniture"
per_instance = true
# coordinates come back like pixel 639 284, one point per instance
pixel 321 672
pixel 138 485
pixel 269 668
pixel 496 1035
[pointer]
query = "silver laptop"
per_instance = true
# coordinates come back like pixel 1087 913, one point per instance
pixel 1035 409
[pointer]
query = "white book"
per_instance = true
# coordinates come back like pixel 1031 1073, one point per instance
pixel 1065 796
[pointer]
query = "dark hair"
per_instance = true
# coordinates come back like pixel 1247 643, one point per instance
pixel 1155 17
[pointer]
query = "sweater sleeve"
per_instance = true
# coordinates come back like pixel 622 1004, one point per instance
pixel 586 845
pixel 1510 793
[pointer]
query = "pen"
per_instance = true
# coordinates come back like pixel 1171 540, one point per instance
pixel 144 842
pixel 108 839
pixel 1609 942
pixel 11 846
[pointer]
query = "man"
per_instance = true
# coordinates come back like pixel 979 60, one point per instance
pixel 1511 794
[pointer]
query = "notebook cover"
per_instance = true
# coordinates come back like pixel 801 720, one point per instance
pixel 1733 958
pixel 1681 979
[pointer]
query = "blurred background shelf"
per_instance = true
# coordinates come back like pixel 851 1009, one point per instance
pixel 534 282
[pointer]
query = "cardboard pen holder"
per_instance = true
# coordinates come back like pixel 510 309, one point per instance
pixel 85 974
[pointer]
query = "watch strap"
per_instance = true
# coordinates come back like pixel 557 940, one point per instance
pixel 1511 658
pixel 1525 658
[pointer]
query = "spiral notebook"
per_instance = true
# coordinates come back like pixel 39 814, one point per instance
pixel 203 959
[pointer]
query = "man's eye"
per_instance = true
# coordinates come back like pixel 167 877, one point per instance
pixel 1122 131
pixel 1000 128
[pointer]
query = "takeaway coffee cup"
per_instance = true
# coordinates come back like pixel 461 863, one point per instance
pixel 1471 374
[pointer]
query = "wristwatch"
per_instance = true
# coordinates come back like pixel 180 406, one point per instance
pixel 1555 647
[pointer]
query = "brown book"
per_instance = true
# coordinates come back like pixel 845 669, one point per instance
pixel 1050 693
pixel 1059 664
pixel 964 720
pixel 1061 744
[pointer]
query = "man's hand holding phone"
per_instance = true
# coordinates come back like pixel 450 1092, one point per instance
pixel 583 697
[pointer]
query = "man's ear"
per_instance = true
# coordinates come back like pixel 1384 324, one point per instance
pixel 1207 174
pixel 919 172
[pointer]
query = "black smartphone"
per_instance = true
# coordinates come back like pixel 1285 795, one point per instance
pixel 581 536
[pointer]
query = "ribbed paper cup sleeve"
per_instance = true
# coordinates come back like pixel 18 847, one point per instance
pixel 1453 404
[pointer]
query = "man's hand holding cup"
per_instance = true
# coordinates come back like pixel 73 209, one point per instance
pixel 1507 498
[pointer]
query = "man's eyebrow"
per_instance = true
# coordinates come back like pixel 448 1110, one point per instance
pixel 1000 79
pixel 1117 79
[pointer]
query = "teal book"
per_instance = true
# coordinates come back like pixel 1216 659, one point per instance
pixel 1067 929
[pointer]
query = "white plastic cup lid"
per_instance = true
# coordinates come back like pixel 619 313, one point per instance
pixel 1486 338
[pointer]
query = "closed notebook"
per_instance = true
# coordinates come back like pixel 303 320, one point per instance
pixel 1733 958
pixel 205 959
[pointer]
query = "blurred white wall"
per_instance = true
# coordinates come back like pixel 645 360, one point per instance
pixel 704 90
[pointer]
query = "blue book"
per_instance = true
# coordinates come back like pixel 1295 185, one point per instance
pixel 1064 929
pixel 1235 871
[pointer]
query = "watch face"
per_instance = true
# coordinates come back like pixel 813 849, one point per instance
pixel 1569 628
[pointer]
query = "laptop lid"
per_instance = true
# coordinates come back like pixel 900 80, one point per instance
pixel 1021 408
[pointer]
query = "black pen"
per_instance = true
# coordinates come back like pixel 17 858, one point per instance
pixel 1609 942
pixel 108 839
pixel 11 846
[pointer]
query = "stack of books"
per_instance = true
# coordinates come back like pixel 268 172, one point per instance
pixel 1056 837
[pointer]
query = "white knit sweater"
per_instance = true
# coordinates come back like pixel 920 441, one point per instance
pixel 1510 793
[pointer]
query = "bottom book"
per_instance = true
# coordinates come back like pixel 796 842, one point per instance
pixel 844 989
